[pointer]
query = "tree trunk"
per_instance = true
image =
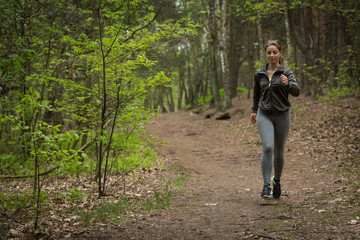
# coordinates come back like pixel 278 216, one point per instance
pixel 160 99
pixel 213 51
pixel 223 50
pixel 170 99
pixel 181 87
pixel 199 72
pixel 205 62
pixel 234 48
pixel 251 60
pixel 289 55
pixel 301 42
pixel 189 86
pixel 261 41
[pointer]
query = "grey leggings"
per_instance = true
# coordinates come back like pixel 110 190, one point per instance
pixel 274 129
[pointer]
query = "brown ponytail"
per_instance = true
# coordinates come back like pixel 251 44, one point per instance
pixel 277 44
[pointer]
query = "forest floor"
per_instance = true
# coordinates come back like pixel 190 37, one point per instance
pixel 220 160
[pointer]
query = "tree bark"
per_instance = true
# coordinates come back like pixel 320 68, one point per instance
pixel 261 41
pixel 223 50
pixel 213 51
pixel 188 80
pixel 234 48
pixel 181 87
pixel 251 59
pixel 290 52
pixel 170 99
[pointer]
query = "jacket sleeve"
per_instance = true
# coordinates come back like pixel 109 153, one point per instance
pixel 257 93
pixel 292 87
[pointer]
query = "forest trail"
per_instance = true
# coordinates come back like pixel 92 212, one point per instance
pixel 221 199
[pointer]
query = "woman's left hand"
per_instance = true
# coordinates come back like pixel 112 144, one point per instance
pixel 284 80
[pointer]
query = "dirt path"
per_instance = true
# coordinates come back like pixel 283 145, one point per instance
pixel 222 200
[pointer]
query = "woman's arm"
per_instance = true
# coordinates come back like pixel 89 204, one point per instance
pixel 292 86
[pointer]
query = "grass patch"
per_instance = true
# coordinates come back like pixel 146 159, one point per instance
pixel 82 206
pixel 176 170
pixel 355 213
pixel 107 212
pixel 157 201
pixel 180 178
pixel 289 236
pixel 20 201
pixel 16 201
pixel 179 181
pixel 117 211
pixel 289 208
pixel 75 194
pixel 274 225
pixel 280 229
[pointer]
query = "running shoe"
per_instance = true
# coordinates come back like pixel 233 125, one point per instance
pixel 276 188
pixel 266 192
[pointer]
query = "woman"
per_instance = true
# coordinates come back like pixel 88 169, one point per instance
pixel 273 84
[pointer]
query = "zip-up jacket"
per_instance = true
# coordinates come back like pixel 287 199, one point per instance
pixel 273 96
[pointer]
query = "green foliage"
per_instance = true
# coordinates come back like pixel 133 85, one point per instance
pixel 157 201
pixel 221 92
pixel 348 76
pixel 340 92
pixel 205 100
pixel 179 181
pixel 75 195
pixel 128 152
pixel 108 212
pixel 116 211
pixel 258 65
pixel 240 89
pixel 20 201
pixel 77 58
pixel 12 202
pixel 289 207
pixel 253 10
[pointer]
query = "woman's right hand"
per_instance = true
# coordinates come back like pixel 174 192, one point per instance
pixel 253 118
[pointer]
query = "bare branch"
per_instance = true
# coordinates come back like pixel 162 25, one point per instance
pixel 29 176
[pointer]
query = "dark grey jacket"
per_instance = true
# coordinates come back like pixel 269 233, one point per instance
pixel 272 96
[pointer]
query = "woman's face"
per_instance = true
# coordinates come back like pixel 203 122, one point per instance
pixel 273 54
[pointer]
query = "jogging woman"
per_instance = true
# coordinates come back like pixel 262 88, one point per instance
pixel 272 86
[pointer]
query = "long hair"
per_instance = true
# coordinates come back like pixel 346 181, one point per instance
pixel 277 44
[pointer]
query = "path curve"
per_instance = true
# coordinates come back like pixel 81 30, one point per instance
pixel 222 200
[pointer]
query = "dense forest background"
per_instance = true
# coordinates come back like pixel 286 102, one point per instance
pixel 79 79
